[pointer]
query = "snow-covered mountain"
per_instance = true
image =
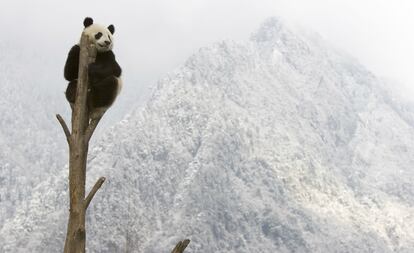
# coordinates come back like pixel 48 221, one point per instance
pixel 30 141
pixel 276 144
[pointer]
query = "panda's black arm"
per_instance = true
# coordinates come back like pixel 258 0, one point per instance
pixel 117 69
pixel 112 68
pixel 106 66
pixel 72 64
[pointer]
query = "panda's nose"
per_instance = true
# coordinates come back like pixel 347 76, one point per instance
pixel 107 42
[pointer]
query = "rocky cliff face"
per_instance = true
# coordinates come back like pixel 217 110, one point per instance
pixel 276 144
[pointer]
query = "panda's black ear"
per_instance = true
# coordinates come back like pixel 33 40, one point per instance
pixel 111 28
pixel 87 21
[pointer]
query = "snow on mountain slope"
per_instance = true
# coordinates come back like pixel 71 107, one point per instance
pixel 277 144
pixel 29 149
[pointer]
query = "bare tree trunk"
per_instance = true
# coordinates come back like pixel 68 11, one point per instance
pixel 78 142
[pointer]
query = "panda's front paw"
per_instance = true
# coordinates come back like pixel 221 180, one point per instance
pixel 93 70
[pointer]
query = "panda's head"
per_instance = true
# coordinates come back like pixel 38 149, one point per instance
pixel 100 35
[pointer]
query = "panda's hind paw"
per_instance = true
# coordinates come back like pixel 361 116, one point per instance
pixel 97 113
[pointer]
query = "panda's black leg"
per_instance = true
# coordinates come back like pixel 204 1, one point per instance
pixel 71 91
pixel 104 92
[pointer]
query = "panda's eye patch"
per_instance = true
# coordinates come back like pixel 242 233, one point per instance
pixel 98 35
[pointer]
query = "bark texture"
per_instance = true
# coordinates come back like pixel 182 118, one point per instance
pixel 78 141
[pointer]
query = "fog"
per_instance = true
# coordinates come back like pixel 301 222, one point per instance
pixel 153 37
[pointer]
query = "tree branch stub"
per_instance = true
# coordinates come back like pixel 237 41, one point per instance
pixel 181 245
pixel 64 126
pixel 92 193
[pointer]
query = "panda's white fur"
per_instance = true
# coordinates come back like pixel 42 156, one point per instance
pixel 100 44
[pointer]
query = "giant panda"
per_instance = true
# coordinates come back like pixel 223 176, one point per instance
pixel 104 74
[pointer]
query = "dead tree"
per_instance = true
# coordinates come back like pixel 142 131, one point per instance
pixel 78 141
pixel 180 247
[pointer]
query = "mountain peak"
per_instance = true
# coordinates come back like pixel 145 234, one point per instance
pixel 271 29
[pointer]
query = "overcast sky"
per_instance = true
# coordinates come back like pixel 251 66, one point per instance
pixel 155 36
